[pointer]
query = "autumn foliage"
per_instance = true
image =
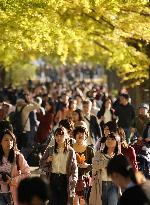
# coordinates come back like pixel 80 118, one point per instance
pixel 115 33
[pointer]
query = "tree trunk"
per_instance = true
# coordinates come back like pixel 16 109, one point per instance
pixel 2 75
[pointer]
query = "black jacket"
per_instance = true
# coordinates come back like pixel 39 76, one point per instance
pixel 136 195
pixel 126 115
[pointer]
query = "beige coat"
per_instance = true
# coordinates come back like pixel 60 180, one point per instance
pixel 99 174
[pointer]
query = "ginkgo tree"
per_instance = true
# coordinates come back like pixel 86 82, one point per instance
pixel 115 33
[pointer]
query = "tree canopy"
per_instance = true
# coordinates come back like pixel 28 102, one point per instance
pixel 115 33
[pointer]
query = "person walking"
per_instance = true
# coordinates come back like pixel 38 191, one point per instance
pixel 92 124
pixel 126 115
pixel 84 155
pixel 13 167
pixel 104 191
pixel 60 166
pixel 123 175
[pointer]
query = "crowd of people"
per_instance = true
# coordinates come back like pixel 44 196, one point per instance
pixel 89 146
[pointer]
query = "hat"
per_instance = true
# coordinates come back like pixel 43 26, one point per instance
pixel 144 105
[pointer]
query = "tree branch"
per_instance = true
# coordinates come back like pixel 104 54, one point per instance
pixel 102 46
pixel 103 19
pixel 133 11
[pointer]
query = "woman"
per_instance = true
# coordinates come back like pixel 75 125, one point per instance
pixel 60 165
pixel 46 122
pixel 106 112
pixel 13 167
pixel 71 108
pixel 109 127
pixel 123 175
pixel 84 155
pixel 77 117
pixel 104 192
pixel 126 149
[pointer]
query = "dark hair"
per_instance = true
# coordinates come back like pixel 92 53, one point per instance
pixel 116 151
pixel 77 95
pixel 126 96
pixel 61 131
pixel 112 125
pixel 67 123
pixel 102 110
pixel 11 155
pixel 121 165
pixel 31 187
pixel 80 129
pixel 51 103
pixel 81 118
pixel 86 102
pixel 4 124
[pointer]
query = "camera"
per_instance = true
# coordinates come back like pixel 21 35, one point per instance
pixel 4 176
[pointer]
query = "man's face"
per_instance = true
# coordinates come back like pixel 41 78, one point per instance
pixel 143 111
pixel 123 100
pixel 86 108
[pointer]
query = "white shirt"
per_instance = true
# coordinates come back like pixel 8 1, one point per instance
pixel 25 115
pixel 107 116
pixel 59 162
pixel 89 140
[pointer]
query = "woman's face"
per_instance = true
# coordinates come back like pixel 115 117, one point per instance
pixel 7 142
pixel 73 105
pixel 108 104
pixel 111 142
pixel 80 137
pixel 106 131
pixel 75 117
pixel 60 138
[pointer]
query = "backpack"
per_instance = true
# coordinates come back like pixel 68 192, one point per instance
pixel 16 121
pixel 143 159
pixel 34 157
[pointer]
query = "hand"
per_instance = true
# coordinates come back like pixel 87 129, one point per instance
pixel 84 166
pixel 49 159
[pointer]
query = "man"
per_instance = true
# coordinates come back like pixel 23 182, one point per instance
pixel 142 120
pixel 25 107
pixel 126 115
pixel 135 188
pixel 92 123
pixel 33 191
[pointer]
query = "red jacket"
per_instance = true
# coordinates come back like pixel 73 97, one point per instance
pixel 45 126
pixel 129 152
